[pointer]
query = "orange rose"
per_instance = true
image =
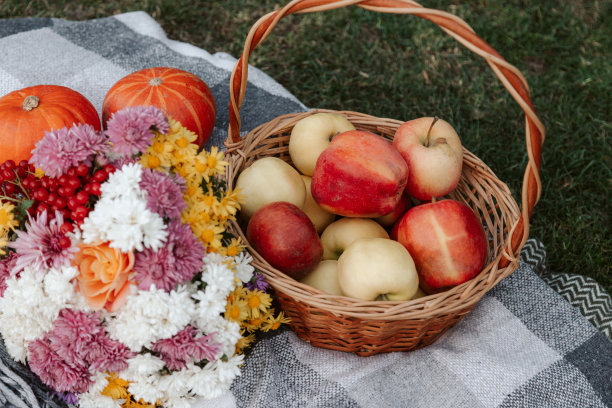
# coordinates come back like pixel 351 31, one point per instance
pixel 103 277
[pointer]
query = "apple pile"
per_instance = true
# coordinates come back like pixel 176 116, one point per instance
pixel 360 216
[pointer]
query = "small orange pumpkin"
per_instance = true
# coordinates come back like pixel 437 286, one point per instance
pixel 178 93
pixel 26 114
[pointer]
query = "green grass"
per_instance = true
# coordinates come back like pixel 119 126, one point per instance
pixel 403 67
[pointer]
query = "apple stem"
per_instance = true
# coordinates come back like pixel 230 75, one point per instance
pixel 433 122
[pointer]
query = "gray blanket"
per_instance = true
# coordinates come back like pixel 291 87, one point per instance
pixel 537 339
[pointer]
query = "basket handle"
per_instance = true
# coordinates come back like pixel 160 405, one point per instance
pixel 509 76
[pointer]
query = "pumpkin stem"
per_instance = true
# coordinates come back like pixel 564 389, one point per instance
pixel 155 81
pixel 30 102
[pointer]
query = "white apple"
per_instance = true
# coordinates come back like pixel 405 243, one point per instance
pixel 267 180
pixel 377 269
pixel 319 217
pixel 341 233
pixel 324 277
pixel 432 150
pixel 311 135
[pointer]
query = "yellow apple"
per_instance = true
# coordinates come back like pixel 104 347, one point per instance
pixel 267 180
pixel 311 135
pixel 324 277
pixel 319 217
pixel 341 233
pixel 377 269
pixel 432 150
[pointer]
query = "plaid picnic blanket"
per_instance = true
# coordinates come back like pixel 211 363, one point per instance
pixel 537 339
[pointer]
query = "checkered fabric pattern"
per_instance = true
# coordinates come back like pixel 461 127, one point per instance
pixel 525 344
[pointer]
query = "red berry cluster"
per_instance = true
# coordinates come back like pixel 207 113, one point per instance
pixel 11 176
pixel 70 194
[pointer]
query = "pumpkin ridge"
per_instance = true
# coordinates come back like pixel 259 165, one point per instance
pixel 191 109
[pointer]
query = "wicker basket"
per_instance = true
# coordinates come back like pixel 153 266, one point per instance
pixel 371 327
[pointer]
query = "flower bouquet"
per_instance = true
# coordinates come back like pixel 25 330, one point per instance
pixel 119 282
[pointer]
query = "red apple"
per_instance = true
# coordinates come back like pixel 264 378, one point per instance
pixel 402 206
pixel 433 153
pixel 446 241
pixel 285 237
pixel 360 174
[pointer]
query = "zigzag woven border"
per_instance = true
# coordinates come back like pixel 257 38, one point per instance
pixel 582 292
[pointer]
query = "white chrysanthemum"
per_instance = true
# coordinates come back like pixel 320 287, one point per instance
pixel 151 315
pixel 31 304
pixel 218 277
pixel 126 223
pixel 228 370
pixel 123 182
pixel 227 333
pixel 97 400
pixel 57 283
pixel 216 377
pixel 99 383
pixel 154 232
pixel 146 389
pixel 142 365
pixel 176 384
pixel 209 304
pixel 121 215
pixel 244 269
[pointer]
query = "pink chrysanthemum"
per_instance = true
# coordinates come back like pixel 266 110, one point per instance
pixel 64 148
pixel 42 245
pixel 79 337
pixel 7 264
pixel 164 196
pixel 130 129
pixel 186 346
pixel 54 371
pixel 176 262
pixel 78 340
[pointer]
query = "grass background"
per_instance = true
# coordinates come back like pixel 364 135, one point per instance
pixel 403 67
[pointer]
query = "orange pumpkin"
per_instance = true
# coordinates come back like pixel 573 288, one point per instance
pixel 26 114
pixel 180 94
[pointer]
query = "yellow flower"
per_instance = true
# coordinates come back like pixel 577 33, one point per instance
pixel 236 309
pixel 182 141
pixel 234 247
pixel 258 302
pixel 214 162
pixel 244 342
pixel 7 218
pixel 196 169
pixel 273 323
pixel 131 403
pixel 158 154
pixel 116 388
pixel 210 235
pixel 254 323
pixel 3 242
pixel 229 204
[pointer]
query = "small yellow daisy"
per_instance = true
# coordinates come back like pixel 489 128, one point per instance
pixel 258 302
pixel 236 309
pixel 244 342
pixel 7 216
pixel 273 323
pixel 116 387
pixel 3 242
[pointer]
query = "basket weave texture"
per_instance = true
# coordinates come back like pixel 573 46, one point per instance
pixel 371 327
